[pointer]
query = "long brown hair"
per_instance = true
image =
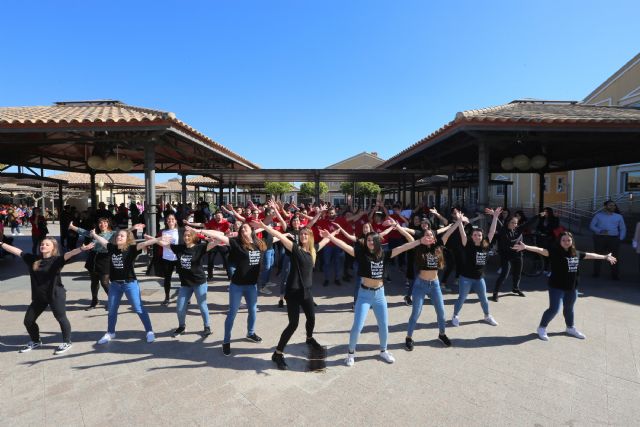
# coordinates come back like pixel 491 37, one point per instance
pixel 54 252
pixel 422 250
pixel 572 248
pixel 253 243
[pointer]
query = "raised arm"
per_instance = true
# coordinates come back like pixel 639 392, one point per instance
pixel 342 245
pixel 405 233
pixel 322 209
pixel 351 237
pixel 283 223
pixel 494 221
pixel 403 248
pixel 76 251
pixel 288 244
pixel 104 242
pixel 138 227
pixel 442 219
pixel 326 240
pixel 450 230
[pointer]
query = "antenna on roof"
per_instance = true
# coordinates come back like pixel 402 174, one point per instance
pixel 90 102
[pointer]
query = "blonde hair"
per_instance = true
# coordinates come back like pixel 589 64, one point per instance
pixel 54 251
pixel 130 239
pixel 311 247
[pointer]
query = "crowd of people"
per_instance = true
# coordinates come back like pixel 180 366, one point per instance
pixel 279 245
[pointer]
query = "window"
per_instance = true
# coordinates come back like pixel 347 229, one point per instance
pixel 632 181
pixel 338 201
pixel 499 190
pixel 546 184
pixel 560 184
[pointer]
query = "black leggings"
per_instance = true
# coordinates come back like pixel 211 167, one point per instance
pixel 97 280
pixel 35 244
pixel 167 268
pixel 454 258
pixel 294 302
pixel 224 254
pixel 515 266
pixel 57 303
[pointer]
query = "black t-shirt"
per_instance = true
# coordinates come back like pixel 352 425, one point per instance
pixel 301 272
pixel 189 264
pixel 267 239
pixel 564 268
pixel 247 263
pixel 506 240
pixel 369 265
pixel 426 258
pixel 475 260
pixel 46 276
pixel 122 263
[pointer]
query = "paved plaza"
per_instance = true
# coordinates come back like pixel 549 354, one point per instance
pixel 491 376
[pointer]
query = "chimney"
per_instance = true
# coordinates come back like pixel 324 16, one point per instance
pixel 374 153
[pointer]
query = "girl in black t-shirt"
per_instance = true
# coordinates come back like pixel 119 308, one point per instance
pixel 246 252
pixel 193 279
pixel 122 256
pixel 474 262
pixel 564 261
pixel 298 287
pixel 370 256
pixel 46 289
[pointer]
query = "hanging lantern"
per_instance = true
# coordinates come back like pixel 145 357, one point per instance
pixel 538 162
pixel 94 162
pixel 507 163
pixel 521 162
pixel 125 165
pixel 111 162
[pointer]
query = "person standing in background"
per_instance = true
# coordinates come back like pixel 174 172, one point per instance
pixel 608 231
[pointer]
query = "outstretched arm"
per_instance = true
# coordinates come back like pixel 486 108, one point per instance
pixel 494 222
pixel 608 257
pixel 218 235
pixel 288 244
pixel 76 251
pixel 403 248
pixel 520 246
pixel 324 241
pixel 322 209
pixel 11 249
pixel 104 242
pixel 342 245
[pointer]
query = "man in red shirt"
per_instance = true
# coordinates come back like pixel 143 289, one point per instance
pixel 333 256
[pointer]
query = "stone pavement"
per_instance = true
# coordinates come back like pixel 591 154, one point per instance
pixel 498 375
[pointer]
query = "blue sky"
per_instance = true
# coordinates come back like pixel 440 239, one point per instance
pixel 309 83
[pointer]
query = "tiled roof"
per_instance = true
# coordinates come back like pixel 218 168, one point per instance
pixel 106 112
pixel 202 181
pixel 533 113
pixel 173 186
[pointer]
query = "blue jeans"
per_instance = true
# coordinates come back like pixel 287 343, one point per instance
pixel 132 291
pixel 480 288
pixel 556 297
pixel 356 287
pixel 376 300
pixel 267 266
pixel 420 289
pixel 284 273
pixel 184 295
pixel 332 256
pixel 236 292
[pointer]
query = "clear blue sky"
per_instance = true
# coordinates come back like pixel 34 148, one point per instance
pixel 304 83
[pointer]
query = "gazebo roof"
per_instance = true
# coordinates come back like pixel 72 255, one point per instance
pixel 111 180
pixel 62 136
pixel 570 135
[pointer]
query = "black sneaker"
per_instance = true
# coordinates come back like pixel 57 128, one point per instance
pixel 407 300
pixel 388 279
pixel 518 292
pixel 206 332
pixel 30 346
pixel 91 307
pixel 254 338
pixel 62 348
pixel 325 283
pixel 209 277
pixel 311 342
pixel 408 344
pixel 494 297
pixel 280 303
pixel 179 331
pixel 279 361
pixel 337 282
pixel 315 304
pixel 226 349
pixel 444 340
pixel 165 302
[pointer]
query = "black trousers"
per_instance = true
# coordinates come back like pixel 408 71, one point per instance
pixel 513 265
pixel 295 300
pixel 224 254
pixel 604 245
pixel 97 280
pixel 167 269
pixel 57 302
pixel 454 259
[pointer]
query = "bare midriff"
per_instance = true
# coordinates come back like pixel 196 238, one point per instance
pixel 371 283
pixel 428 274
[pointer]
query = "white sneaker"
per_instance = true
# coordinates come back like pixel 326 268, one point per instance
pixel 151 337
pixel 575 333
pixel 264 290
pixel 350 360
pixel 271 285
pixel 490 320
pixel 62 348
pixel 455 321
pixel 542 334
pixel 387 357
pixel 30 346
pixel 106 338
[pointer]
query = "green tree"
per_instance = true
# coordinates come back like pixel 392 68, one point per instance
pixel 277 188
pixel 308 189
pixel 366 189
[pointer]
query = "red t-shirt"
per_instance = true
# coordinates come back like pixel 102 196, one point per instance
pixel 379 228
pixel 359 224
pixel 222 226
pixel 327 224
pixel 395 234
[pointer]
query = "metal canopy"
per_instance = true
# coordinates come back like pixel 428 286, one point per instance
pixel 260 176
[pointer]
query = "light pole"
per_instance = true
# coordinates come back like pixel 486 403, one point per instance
pixel 100 186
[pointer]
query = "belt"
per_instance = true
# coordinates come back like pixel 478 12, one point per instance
pixel 371 289
pixel 119 282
